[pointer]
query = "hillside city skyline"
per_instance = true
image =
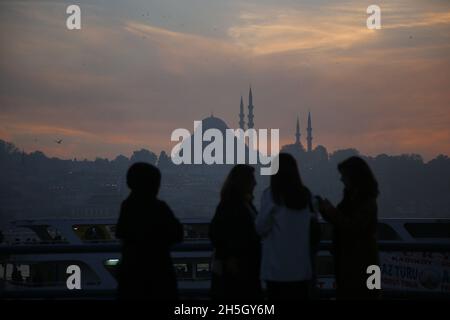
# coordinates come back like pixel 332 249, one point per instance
pixel 246 120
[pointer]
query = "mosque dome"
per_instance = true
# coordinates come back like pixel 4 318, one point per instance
pixel 212 122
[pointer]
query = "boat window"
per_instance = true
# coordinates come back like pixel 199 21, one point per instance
pixel 55 235
pixel 183 270
pixel 47 273
pixel 21 235
pixel 94 232
pixel 203 270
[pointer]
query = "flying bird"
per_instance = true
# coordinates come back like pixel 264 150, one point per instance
pixel 59 141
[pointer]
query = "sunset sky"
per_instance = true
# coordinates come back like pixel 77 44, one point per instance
pixel 137 70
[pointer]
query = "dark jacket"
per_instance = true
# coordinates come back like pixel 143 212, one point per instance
pixel 148 229
pixel 355 247
pixel 234 237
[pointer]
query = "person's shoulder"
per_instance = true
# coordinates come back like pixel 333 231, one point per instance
pixel 162 205
pixel 221 206
pixel 368 203
pixel 125 204
pixel 230 209
pixel 229 204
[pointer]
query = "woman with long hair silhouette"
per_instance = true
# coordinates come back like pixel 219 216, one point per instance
pixel 287 224
pixel 354 221
pixel 237 247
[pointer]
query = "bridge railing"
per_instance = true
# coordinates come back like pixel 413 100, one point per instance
pixel 414 246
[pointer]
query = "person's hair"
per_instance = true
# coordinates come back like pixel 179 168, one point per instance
pixel 361 178
pixel 144 178
pixel 286 185
pixel 237 184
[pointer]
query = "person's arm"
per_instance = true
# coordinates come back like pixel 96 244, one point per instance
pixel 327 210
pixel 265 219
pixel 362 215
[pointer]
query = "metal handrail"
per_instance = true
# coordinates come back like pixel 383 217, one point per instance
pixel 387 246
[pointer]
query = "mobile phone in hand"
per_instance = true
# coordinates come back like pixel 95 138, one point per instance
pixel 316 202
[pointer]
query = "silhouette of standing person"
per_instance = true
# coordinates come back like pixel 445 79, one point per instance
pixel 148 229
pixel 355 222
pixel 237 255
pixel 290 231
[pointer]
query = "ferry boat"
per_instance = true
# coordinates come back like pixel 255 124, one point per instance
pixel 36 253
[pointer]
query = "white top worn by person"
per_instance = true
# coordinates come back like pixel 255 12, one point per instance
pixel 286 250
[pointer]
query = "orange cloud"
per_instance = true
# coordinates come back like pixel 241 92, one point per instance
pixel 279 32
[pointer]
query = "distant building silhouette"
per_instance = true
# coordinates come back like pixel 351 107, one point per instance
pixel 309 129
pixel 305 156
pixel 250 123
pixel 213 122
pixel 241 115
pixel 297 133
pixel 310 156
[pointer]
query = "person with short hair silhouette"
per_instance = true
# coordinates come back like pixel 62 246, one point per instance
pixel 355 223
pixel 237 246
pixel 148 229
pixel 289 230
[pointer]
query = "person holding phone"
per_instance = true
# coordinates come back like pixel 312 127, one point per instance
pixel 355 222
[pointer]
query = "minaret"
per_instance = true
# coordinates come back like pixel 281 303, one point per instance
pixel 241 116
pixel 297 132
pixel 309 138
pixel 250 123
